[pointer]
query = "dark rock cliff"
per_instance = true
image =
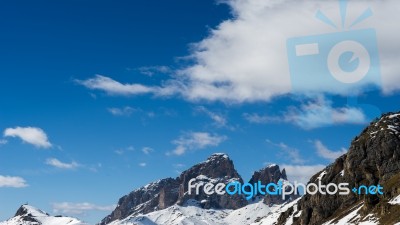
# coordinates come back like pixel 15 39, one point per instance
pixel 373 158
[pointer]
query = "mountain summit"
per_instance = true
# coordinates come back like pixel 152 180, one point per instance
pixel 29 215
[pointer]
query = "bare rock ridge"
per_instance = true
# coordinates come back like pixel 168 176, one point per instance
pixel 373 158
pixel 170 191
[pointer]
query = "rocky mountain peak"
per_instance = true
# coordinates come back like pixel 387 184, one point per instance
pixel 27 210
pixel 218 165
pixel 271 174
pixel 167 192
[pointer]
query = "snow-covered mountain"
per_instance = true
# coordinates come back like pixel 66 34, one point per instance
pixel 29 215
pixel 254 213
pixel 171 195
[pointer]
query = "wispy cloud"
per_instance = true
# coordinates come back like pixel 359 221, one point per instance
pixel 113 87
pixel 31 135
pixel 61 165
pixel 142 164
pixel 260 119
pixel 79 208
pixel 125 111
pixel 293 154
pixel 219 119
pixel 313 114
pixel 13 182
pixel 124 150
pixel 320 113
pixel 325 153
pixel 3 141
pixel 147 150
pixel 152 70
pixel 195 141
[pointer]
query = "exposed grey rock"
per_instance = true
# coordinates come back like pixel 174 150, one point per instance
pixel 373 158
pixel 167 192
pixel 271 174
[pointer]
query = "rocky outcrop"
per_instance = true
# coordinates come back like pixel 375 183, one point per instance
pixel 154 196
pixel 272 174
pixel 218 168
pixel 373 158
pixel 167 192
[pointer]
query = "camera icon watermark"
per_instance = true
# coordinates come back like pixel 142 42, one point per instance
pixel 334 62
pixel 342 63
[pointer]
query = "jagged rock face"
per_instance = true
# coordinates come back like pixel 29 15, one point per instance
pixel 271 174
pixel 373 158
pixel 217 169
pixel 167 192
pixel 154 196
pixel 26 214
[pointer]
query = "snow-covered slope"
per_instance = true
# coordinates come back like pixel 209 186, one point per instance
pixel 256 213
pixel 28 215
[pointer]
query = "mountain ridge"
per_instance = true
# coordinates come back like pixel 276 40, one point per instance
pixel 373 158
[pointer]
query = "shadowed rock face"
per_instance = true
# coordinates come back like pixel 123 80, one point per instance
pixel 26 214
pixel 218 168
pixel 373 158
pixel 167 192
pixel 271 174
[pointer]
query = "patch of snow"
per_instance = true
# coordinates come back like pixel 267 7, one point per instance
pixel 354 218
pixel 321 175
pixel 394 115
pixel 350 218
pixel 393 128
pixel 252 214
pixel 395 201
pixel 342 173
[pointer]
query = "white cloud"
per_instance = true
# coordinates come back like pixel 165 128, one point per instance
pixel 313 114
pixel 195 141
pixel 79 208
pixel 320 113
pixel 261 119
pixel 31 135
pixel 125 111
pixel 152 70
pixel 61 165
pixel 301 173
pixel 293 154
pixel 14 182
pixel 219 120
pixel 3 141
pixel 245 57
pixel 325 153
pixel 143 164
pixel 147 150
pixel 113 87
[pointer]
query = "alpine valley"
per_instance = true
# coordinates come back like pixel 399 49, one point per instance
pixel 373 158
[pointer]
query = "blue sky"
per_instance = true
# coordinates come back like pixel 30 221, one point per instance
pixel 99 97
